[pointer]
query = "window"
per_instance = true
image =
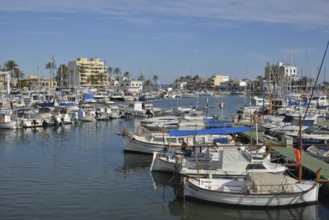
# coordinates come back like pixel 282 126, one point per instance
pixel 157 139
pixel 171 140
pixel 255 166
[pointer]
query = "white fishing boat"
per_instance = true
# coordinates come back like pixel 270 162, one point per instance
pixel 293 127
pixel 61 118
pixel 144 141
pixel 8 120
pixel 137 109
pixel 30 119
pixel 255 189
pixel 259 101
pixel 220 160
pixel 320 152
pixel 168 161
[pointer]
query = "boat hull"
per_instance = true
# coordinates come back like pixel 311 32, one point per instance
pixel 165 163
pixel 237 195
pixel 133 145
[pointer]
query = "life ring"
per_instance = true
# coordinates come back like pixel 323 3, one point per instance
pixel 141 131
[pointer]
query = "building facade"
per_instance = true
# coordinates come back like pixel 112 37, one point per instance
pixel 216 80
pixel 280 72
pixel 33 82
pixel 125 84
pixel 86 72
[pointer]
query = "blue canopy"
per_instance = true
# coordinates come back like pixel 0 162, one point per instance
pixel 211 123
pixel 210 131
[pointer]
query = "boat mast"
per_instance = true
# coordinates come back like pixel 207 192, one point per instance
pixel 301 121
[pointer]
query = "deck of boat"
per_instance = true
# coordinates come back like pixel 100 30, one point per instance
pixel 310 163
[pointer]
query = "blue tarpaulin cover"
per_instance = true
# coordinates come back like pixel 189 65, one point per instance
pixel 209 131
pixel 217 123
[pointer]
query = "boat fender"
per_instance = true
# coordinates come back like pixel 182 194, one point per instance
pixel 124 132
pixel 177 158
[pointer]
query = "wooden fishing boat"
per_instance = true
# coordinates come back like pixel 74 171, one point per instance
pixel 255 189
pixel 144 141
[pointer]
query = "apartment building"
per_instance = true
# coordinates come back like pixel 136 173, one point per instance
pixel 86 72
pixel 216 80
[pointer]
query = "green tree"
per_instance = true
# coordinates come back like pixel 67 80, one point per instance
pixel 11 66
pixel 102 78
pixel 148 84
pixel 126 74
pixel 117 71
pixel 51 66
pixel 92 79
pixel 156 79
pixel 110 70
pixel 18 75
pixel 141 78
pixel 195 77
pixel 15 72
pixel 62 73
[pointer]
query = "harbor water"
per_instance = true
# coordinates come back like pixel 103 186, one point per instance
pixel 81 172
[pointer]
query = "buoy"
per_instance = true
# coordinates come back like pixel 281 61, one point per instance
pixel 141 131
pixel 221 105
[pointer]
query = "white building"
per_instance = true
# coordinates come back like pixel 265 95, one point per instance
pixel 126 85
pixel 280 72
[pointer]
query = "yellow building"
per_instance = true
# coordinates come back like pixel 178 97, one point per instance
pixel 33 82
pixel 216 80
pixel 87 72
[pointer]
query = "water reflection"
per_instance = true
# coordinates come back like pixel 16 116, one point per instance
pixel 200 210
pixel 133 163
pixel 163 179
pixel 194 209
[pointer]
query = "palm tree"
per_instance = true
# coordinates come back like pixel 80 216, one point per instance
pixel 148 83
pixel 102 78
pixel 126 74
pixel 92 79
pixel 141 78
pixel 110 70
pixel 195 77
pixel 18 74
pixel 50 65
pixel 156 79
pixel 61 74
pixel 117 71
pixel 12 66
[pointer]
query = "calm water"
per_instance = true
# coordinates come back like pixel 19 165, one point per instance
pixel 81 172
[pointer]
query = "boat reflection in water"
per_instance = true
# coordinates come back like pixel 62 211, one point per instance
pixel 135 163
pixel 164 179
pixel 201 210
pixel 196 209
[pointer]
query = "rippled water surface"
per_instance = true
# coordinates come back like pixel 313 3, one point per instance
pixel 80 172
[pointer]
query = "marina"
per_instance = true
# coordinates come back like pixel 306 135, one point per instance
pixel 164 110
pixel 80 171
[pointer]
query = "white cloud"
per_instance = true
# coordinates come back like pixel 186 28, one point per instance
pixel 303 14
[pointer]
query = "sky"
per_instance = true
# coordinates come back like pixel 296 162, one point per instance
pixel 170 38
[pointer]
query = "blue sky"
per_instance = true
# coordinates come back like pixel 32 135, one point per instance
pixel 169 38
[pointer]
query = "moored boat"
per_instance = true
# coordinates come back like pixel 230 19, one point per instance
pixel 256 189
